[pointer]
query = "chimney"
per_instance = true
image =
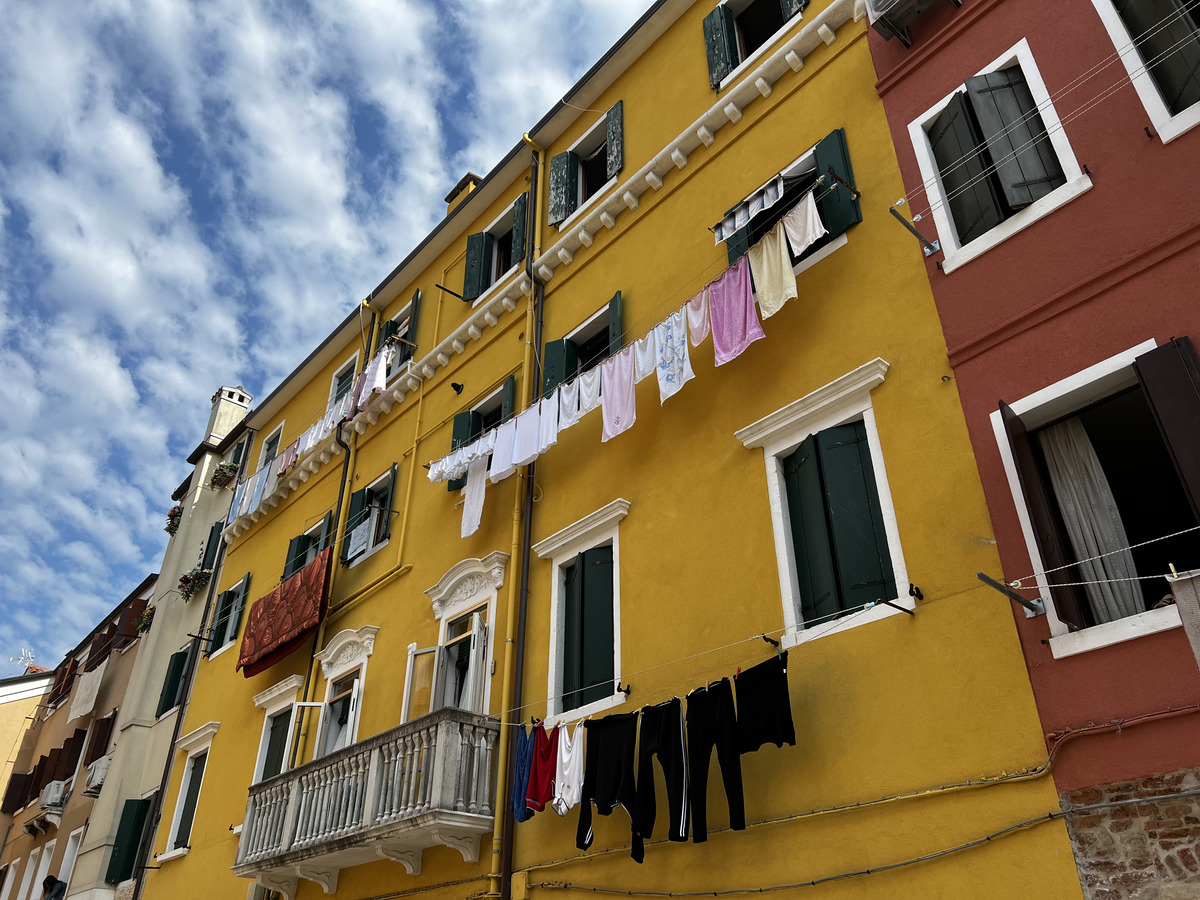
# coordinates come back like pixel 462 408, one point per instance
pixel 229 405
pixel 461 191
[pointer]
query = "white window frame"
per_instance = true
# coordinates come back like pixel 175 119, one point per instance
pixel 1166 126
pixel 231 638
pixel 277 433
pixel 66 868
pixel 191 745
pixel 352 364
pixel 27 878
pixel 1077 183
pixel 405 316
pixel 346 651
pixel 499 280
pixel 599 127
pixel 1052 402
pixel 740 7
pixel 846 399
pixel 596 529
pixel 373 520
pixel 44 864
pixel 10 878
pixel 314 546
pixel 273 701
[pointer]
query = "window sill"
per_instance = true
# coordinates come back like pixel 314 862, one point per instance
pixel 808 262
pixel 587 204
pixel 497 287
pixel 875 613
pixel 170 712
pixel 363 557
pixel 1128 629
pixel 759 53
pixel 586 711
pixel 172 854
pixel 220 650
pixel 959 256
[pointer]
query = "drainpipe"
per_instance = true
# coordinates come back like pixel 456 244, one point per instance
pixel 514 658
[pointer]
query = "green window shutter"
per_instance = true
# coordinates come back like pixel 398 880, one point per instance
pixel 467 427
pixel 386 332
pixel 614 134
pixel 597 625
pixel 508 399
pixel 277 740
pixel 216 634
pixel 572 656
pixel 414 307
pixel 520 227
pixel 810 532
pixel 559 362
pixel 236 456
pixel 297 550
pixel 616 331
pixel 862 560
pixel 1025 161
pixel 326 530
pixel 838 207
pixel 720 44
pixel 170 689
pixel 129 837
pixel 478 275
pixel 195 769
pixel 387 503
pixel 790 8
pixel 345 381
pixel 737 244
pixel 564 186
pixel 1169 42
pixel 357 513
pixel 212 545
pixel 239 608
pixel 973 201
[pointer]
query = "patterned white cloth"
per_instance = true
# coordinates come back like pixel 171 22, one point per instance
pixel 618 398
pixel 674 364
pixel 739 217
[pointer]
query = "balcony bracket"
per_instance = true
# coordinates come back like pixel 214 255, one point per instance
pixel 325 876
pixel 465 843
pixel 280 884
pixel 408 857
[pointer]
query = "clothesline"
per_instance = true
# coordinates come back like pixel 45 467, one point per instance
pixel 1166 537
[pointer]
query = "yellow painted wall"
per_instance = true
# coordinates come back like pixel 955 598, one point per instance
pixel 888 708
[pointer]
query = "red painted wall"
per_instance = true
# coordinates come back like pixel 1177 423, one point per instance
pixel 1116 266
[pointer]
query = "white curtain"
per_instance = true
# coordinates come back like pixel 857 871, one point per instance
pixel 1092 519
pixel 472 692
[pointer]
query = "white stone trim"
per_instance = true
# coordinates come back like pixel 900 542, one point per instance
pixel 197 739
pixel 957 254
pixel 348 649
pixel 1166 126
pixel 1152 621
pixel 279 695
pixel 843 400
pixel 466 582
pixel 578 536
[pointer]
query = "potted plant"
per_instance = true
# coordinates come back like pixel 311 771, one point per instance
pixel 143 622
pixel 174 514
pixel 193 581
pixel 224 473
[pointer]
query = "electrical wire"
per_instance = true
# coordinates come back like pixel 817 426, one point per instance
pixel 1166 537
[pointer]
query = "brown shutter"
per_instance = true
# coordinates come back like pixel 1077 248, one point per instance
pixel 1170 376
pixel 14 796
pixel 72 750
pixel 1049 533
pixel 127 631
pixel 64 678
pixel 101 735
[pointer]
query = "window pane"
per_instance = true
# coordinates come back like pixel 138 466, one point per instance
pixel 195 774
pixel 422 685
pixel 277 741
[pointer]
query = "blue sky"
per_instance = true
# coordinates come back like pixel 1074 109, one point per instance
pixel 194 194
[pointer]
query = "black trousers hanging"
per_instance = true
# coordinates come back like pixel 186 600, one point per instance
pixel 711 722
pixel 607 772
pixel 662 736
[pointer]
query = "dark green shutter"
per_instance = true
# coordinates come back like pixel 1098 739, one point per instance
pixel 810 532
pixel 564 186
pixel 414 307
pixel 170 689
pixel 1048 530
pixel 737 244
pixel 239 608
pixel 1170 376
pixel 1025 160
pixel 972 197
pixel 597 625
pixel 467 427
pixel 614 134
pixel 297 550
pixel 861 557
pixel 129 838
pixel 358 512
pixel 1169 42
pixel 386 332
pixel 559 362
pixel 720 44
pixel 216 634
pixel 520 227
pixel 839 208
pixel 478 276
pixel 326 530
pixel 212 545
pixel 789 8
pixel 345 381
pixel 616 331
pixel 572 634
pixel 195 768
pixel 238 449
pixel 386 512
pixel 277 740
pixel 508 399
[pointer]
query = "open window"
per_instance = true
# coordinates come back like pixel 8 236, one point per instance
pixel 270 447
pixel 368 522
pixel 339 718
pixel 401 330
pixel 600 337
pixel 343 380
pixel 305 547
pixel 1099 463
pixel 227 616
pixel 453 673
pixel 484 416
pixel 578 174
pixel 494 253
pixel 737 29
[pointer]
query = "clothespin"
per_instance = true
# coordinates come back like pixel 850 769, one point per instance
pixel 737 673
pixel 1174 574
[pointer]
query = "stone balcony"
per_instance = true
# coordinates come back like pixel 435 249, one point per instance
pixel 426 783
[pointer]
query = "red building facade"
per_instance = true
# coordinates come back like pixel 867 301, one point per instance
pixel 1050 150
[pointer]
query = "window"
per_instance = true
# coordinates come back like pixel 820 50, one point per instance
pixel 737 29
pixel 270 448
pixel 836 540
pixel 1097 463
pixel 196 745
pixel 279 704
pixel 344 666
pixel 495 251
pixel 9 878
pixel 43 867
pixel 66 867
pixel 304 548
pixel 994 157
pixel 578 174
pixel 591 343
pixel 339 720
pixel 472 423
pixel 401 329
pixel 343 380
pixel 27 878
pixel 1159 44
pixel 175 682
pixel 368 522
pixel 227 616
pixel 101 737
pixel 585 604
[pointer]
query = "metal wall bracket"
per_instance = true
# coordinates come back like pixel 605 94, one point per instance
pixel 1034 606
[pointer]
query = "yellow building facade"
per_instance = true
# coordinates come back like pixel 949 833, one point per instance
pixel 370 752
